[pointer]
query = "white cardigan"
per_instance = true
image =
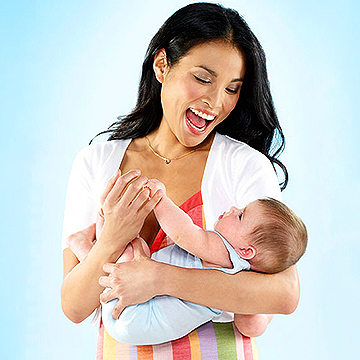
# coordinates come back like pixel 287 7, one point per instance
pixel 235 174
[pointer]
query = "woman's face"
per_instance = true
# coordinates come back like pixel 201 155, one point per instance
pixel 201 90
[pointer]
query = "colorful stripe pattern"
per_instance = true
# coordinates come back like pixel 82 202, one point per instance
pixel 211 341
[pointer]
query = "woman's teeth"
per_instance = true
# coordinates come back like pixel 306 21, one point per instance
pixel 202 115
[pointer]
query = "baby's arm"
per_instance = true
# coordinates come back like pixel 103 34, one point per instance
pixel 252 325
pixel 180 228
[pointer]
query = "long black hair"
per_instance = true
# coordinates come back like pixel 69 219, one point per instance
pixel 253 121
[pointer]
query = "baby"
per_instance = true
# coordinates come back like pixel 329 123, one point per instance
pixel 265 236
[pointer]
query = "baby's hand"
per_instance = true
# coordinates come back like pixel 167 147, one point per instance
pixel 154 185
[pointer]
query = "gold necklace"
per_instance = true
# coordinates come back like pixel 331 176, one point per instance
pixel 167 160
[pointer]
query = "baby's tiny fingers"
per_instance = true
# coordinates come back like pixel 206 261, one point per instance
pixel 145 210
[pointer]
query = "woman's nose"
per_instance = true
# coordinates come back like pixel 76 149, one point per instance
pixel 213 98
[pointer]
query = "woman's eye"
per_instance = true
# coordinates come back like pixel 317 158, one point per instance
pixel 232 91
pixel 203 81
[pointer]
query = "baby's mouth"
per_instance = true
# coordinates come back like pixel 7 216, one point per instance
pixel 198 120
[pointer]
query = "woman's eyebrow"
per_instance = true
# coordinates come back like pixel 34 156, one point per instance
pixel 215 74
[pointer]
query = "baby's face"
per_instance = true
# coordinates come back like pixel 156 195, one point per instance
pixel 236 224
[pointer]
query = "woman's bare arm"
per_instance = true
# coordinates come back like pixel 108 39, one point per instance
pixel 82 278
pixel 125 208
pixel 246 292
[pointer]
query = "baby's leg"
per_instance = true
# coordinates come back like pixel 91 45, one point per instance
pixel 81 242
pixel 252 325
pixel 128 253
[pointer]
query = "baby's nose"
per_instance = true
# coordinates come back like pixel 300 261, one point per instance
pixel 233 209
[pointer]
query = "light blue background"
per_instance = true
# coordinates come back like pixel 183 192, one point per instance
pixel 68 68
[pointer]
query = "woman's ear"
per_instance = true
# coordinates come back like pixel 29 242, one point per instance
pixel 246 253
pixel 160 65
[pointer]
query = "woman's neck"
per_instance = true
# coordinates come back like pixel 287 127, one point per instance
pixel 166 144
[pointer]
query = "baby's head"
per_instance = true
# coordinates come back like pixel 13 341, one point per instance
pixel 266 233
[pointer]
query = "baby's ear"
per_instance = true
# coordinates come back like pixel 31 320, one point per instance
pixel 246 253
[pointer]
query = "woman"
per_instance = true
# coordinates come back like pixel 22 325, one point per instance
pixel 204 75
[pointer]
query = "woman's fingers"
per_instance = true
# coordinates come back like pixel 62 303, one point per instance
pixel 111 294
pixel 109 268
pixel 149 205
pixel 141 199
pixel 107 295
pixel 120 185
pixel 130 282
pixel 155 185
pixel 118 309
pixel 142 205
pixel 105 281
pixel 110 184
pixel 134 190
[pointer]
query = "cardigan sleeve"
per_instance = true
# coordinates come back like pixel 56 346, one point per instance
pixel 258 181
pixel 80 209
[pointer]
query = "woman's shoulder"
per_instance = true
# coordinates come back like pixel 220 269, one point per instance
pixel 102 152
pixel 235 150
pixel 243 164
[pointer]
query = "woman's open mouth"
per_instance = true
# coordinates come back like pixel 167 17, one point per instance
pixel 198 121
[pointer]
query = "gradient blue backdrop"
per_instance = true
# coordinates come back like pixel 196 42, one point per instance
pixel 68 68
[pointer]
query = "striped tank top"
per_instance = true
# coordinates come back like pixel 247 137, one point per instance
pixel 211 341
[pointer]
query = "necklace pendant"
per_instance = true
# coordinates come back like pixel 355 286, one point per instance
pixel 167 161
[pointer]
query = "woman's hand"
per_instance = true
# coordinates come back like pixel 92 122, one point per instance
pixel 125 205
pixel 154 185
pixel 127 282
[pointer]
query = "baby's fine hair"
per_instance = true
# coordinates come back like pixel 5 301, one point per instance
pixel 281 237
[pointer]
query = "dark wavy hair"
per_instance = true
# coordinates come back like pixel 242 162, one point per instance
pixel 253 121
